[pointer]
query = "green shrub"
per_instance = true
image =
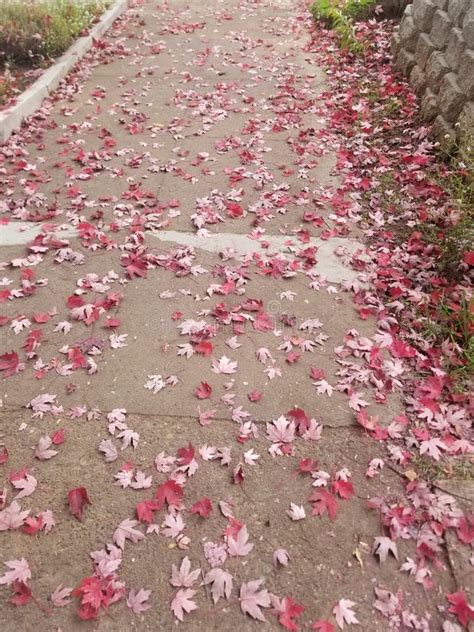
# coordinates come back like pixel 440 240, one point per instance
pixel 31 33
pixel 339 15
pixel 359 9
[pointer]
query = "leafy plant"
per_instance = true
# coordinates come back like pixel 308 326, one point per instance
pixel 340 15
pixel 31 33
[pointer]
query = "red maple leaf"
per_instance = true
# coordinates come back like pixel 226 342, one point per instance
pixel 202 507
pixel 234 210
pixel 145 509
pixel 78 499
pixel 263 322
pixel 323 501
pixel 185 455
pixel 401 350
pixel 21 593
pixel 3 455
pixel 74 301
pixel 317 374
pixel 203 391
pixel 31 526
pixel 300 418
pixel 323 626
pixel 135 265
pixel 308 465
pixel 255 396
pixel 205 347
pixel 344 489
pixel 288 612
pixel 97 592
pixel 169 492
pixel 41 317
pixel 468 257
pixel 460 607
pixel 58 437
pixel 292 357
pixel 33 340
pixel 464 530
pixel 9 363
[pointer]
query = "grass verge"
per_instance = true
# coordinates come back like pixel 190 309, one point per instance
pixel 32 34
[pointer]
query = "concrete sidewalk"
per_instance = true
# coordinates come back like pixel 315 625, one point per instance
pixel 207 121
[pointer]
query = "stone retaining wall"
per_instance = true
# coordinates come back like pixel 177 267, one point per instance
pixel 434 48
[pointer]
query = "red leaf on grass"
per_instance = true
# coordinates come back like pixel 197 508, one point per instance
pixel 21 593
pixel 58 437
pixel 78 499
pixel 32 525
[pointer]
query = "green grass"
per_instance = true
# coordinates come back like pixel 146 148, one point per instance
pixel 340 16
pixel 33 32
pixel 429 470
pixel 456 324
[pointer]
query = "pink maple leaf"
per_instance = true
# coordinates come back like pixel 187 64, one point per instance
pixel 19 571
pixel 280 557
pixel 127 531
pixel 224 365
pixel 61 596
pixel 281 430
pixel 239 546
pixel 383 546
pixel 252 599
pixel 184 577
pixel 12 517
pixel 42 451
pixel 221 583
pixel 26 484
pixel 344 613
pixel 356 402
pixel 182 603
pixel 137 600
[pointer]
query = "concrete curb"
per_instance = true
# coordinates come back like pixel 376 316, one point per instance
pixel 31 99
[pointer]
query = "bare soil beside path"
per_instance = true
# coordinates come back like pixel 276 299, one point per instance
pixel 205 397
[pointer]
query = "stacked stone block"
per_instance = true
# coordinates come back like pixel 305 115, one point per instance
pixel 434 48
